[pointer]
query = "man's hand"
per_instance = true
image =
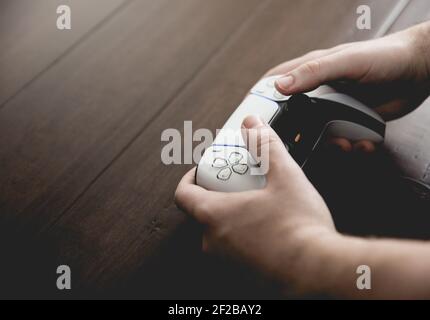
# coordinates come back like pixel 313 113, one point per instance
pixel 389 74
pixel 399 60
pixel 268 228
pixel 286 231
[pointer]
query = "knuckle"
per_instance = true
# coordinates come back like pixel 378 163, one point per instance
pixel 266 140
pixel 313 67
pixel 205 212
pixel 342 46
pixel 271 72
pixel 358 53
pixel 179 196
pixel 273 139
pixel 316 53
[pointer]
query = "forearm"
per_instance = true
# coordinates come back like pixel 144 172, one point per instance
pixel 399 269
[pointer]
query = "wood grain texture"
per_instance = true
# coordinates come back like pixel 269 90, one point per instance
pixel 61 132
pixel 416 12
pixel 128 212
pixel 69 125
pixel 30 41
pixel 80 158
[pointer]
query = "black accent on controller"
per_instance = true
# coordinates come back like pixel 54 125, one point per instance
pixel 309 117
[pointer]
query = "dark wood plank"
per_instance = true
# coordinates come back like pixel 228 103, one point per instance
pixel 31 42
pixel 128 212
pixel 408 138
pixel 416 12
pixel 60 133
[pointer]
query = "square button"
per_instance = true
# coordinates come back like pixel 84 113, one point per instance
pixel 219 163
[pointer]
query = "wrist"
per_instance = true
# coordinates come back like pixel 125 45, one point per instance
pixel 311 251
pixel 326 262
pixel 322 261
pixel 329 265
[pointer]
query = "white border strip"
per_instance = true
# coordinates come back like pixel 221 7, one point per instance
pixel 392 17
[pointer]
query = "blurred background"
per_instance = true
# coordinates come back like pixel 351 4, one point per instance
pixel 81 115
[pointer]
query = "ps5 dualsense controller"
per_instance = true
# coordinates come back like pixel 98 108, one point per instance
pixel 300 120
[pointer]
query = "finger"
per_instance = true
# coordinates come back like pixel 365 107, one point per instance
pixel 205 244
pixel 406 101
pixel 194 199
pixel 364 146
pixel 290 65
pixel 264 144
pixel 345 64
pixel 393 109
pixel 342 143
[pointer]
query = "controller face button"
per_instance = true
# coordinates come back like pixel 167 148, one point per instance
pixel 235 157
pixel 240 168
pixel 219 163
pixel 224 174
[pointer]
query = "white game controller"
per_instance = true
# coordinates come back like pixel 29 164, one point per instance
pixel 300 120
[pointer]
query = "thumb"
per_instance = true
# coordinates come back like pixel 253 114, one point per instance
pixel 267 148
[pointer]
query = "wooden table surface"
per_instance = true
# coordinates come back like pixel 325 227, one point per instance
pixel 81 116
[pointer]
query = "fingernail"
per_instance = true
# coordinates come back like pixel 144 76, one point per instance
pixel 285 83
pixel 252 122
